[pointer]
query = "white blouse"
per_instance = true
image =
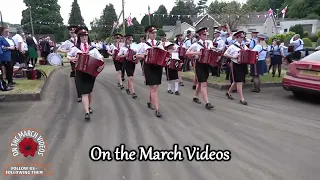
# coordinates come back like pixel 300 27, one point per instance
pixel 10 41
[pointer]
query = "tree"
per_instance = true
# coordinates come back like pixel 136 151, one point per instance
pixel 75 15
pixel 202 6
pixel 258 5
pixel 106 21
pixel 298 29
pixel 237 17
pixel 180 9
pixel 136 28
pixel 160 20
pixel 216 7
pixel 145 20
pixel 44 13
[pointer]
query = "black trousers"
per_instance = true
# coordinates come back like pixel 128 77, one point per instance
pixel 122 72
pixel 9 70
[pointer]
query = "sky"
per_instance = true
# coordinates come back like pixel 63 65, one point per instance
pixel 90 9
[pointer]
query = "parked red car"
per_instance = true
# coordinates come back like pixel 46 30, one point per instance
pixel 304 75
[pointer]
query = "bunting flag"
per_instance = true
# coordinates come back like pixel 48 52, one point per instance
pixel 284 11
pixel 129 21
pixel 199 16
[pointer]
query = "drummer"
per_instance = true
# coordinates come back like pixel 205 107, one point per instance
pixel 172 74
pixel 238 71
pixel 85 82
pixel 202 70
pixel 152 73
pixel 117 64
pixel 129 65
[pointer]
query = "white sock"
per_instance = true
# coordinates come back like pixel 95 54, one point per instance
pixel 169 86
pixel 176 86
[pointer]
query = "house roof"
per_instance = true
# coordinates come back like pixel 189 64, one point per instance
pixel 207 15
pixel 168 28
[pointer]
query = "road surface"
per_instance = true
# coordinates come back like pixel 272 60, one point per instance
pixel 276 137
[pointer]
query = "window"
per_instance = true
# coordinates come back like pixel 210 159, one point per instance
pixel 285 30
pixel 312 57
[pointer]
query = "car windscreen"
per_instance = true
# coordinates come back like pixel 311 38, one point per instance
pixel 312 57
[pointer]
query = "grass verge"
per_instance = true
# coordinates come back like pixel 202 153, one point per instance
pixel 25 86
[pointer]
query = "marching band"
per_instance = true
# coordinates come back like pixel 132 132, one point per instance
pixel 229 49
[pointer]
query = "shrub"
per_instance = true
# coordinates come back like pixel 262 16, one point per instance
pixel 313 37
pixel 318 34
pixel 318 42
pixel 298 29
pixel 305 34
pixel 307 42
pixel 287 40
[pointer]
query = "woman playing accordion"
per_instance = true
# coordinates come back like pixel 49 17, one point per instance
pixel 152 72
pixel 84 81
pixel 172 69
pixel 129 63
pixel 202 69
pixel 238 70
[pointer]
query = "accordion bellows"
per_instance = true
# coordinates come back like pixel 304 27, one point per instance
pixel 88 64
pixel 209 56
pixel 157 56
pixel 248 57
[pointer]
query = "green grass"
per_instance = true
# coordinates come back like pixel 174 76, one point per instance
pixel 266 78
pixel 26 86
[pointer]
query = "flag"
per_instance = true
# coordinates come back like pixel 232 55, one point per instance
pixel 129 21
pixel 284 11
pixel 270 12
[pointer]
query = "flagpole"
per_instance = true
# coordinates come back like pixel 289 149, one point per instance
pixel 149 15
pixel 123 19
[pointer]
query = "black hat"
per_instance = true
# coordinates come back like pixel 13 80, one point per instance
pixel 150 29
pixel 178 35
pixel 82 31
pixel 163 34
pixel 238 33
pixel 118 35
pixel 254 32
pixel 234 30
pixel 72 28
pixel 128 36
pixel 201 30
pixel 188 32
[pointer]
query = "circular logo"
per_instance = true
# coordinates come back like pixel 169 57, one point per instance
pixel 28 145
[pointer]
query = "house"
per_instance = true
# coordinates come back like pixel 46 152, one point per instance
pixel 179 28
pixel 309 25
pixel 206 21
pixel 12 31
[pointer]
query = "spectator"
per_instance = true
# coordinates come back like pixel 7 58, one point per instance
pixel 298 47
pixel 7 46
pixel 25 48
pixel 45 49
pixel 32 50
pixel 17 55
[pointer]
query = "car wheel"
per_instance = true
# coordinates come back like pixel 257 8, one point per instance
pixel 298 94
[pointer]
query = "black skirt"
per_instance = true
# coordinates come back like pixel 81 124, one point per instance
pixel 118 65
pixel 238 72
pixel 276 59
pixel 84 82
pixel 153 74
pixel 172 74
pixel 202 71
pixel 129 66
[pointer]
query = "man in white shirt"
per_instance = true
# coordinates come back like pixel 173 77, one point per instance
pixel 202 70
pixel 298 46
pixel 18 54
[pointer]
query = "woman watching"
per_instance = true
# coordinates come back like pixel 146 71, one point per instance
pixel 276 55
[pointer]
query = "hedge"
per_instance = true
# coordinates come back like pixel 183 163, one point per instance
pixel 307 42
pixel 313 38
pixel 281 37
pixel 318 42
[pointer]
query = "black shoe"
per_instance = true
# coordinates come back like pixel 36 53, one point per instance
pixel 243 103
pixel 12 84
pixel 255 90
pixel 194 87
pixel 128 91
pixel 229 96
pixel 181 84
pixel 121 87
pixel 79 99
pixel 196 100
pixel 150 106
pixel 177 93
pixel 72 74
pixel 87 117
pixel 123 79
pixel 90 110
pixel 134 96
pixel 158 114
pixel 170 92
pixel 209 106
pixel 8 88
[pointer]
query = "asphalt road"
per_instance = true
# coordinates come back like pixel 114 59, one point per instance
pixel 276 137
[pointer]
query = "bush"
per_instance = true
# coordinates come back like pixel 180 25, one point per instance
pixel 305 34
pixel 318 42
pixel 307 42
pixel 313 37
pixel 281 37
pixel 318 34
pixel 287 40
pixel 298 29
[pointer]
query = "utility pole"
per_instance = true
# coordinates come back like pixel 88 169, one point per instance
pixel 149 15
pixel 31 21
pixel 123 19
pixel 1 19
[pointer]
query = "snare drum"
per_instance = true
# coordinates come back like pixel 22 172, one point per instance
pixel 156 56
pixel 55 59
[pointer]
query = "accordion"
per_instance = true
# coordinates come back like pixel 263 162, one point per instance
pixel 209 56
pixel 115 56
pixel 132 56
pixel 175 64
pixel 182 51
pixel 156 56
pixel 290 48
pixel 88 64
pixel 248 57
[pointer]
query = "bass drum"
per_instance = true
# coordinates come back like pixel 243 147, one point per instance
pixel 54 59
